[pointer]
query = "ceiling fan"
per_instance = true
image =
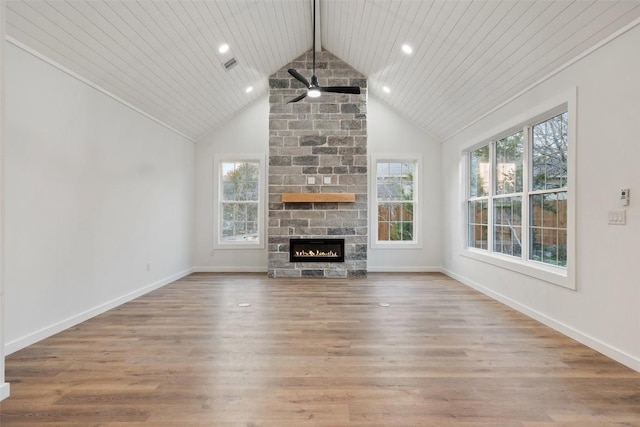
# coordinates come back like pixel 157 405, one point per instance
pixel 313 87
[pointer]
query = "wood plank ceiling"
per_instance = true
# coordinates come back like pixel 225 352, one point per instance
pixel 162 56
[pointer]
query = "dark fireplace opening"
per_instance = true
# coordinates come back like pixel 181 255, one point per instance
pixel 316 250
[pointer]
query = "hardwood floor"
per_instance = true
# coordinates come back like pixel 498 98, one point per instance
pixel 317 353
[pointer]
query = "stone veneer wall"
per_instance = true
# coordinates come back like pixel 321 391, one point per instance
pixel 322 138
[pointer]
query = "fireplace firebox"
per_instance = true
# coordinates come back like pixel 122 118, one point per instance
pixel 316 250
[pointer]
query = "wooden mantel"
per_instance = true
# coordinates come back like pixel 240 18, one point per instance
pixel 318 197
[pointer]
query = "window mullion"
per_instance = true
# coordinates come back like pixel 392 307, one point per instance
pixel 526 179
pixel 466 190
pixel 548 191
pixel 491 229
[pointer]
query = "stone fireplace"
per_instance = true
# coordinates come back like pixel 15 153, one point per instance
pixel 317 169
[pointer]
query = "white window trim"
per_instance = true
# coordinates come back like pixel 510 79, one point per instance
pixel 565 277
pixel 217 183
pixel 373 202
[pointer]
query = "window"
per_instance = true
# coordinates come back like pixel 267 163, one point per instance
pixel 239 216
pixel 479 196
pixel 507 201
pixel 518 196
pixel 394 206
pixel 548 196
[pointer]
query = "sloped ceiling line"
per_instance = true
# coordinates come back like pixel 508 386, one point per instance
pixel 80 78
pixel 161 57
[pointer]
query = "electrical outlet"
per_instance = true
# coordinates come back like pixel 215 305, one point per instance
pixel 311 180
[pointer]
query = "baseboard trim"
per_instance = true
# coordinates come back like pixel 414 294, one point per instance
pixel 4 391
pixel 230 270
pixel 594 343
pixel 369 269
pixel 390 269
pixel 387 269
pixel 20 343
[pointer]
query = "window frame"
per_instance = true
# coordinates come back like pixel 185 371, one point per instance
pixel 374 243
pixel 561 276
pixel 218 243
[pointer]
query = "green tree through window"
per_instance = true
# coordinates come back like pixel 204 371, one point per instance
pixel 240 196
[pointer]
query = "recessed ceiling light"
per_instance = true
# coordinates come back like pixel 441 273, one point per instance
pixel 249 89
pixel 407 49
pixel 223 48
pixel 386 89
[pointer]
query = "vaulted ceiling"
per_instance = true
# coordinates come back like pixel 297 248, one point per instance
pixel 162 56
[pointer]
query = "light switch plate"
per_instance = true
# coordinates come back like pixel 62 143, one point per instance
pixel 618 217
pixel 327 180
pixel 311 180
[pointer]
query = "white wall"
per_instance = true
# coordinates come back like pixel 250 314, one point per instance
pixel 245 134
pixel 604 310
pixel 389 133
pixel 93 192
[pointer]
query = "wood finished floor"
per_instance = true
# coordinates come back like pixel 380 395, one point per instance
pixel 317 353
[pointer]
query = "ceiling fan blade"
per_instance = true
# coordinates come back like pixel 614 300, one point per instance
pixel 299 77
pixel 355 90
pixel 298 98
